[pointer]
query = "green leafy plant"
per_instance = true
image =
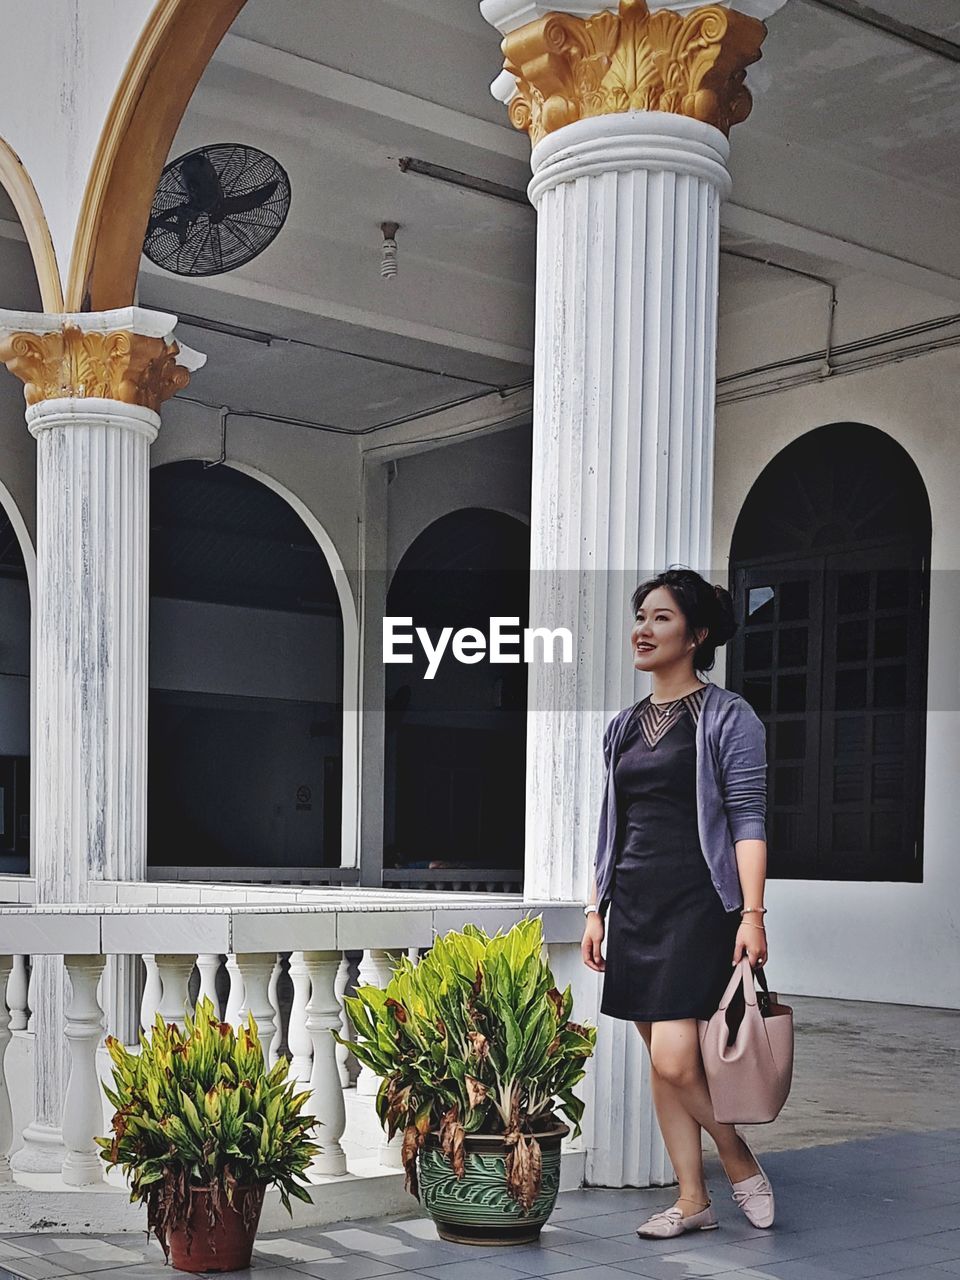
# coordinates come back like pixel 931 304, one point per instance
pixel 198 1108
pixel 473 1038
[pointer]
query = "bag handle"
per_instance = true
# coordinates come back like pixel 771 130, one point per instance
pixel 743 974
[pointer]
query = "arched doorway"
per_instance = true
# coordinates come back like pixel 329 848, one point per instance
pixel 455 744
pixel 830 564
pixel 246 680
pixel 14 702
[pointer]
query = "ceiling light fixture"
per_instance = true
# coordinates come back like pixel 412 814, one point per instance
pixel 388 257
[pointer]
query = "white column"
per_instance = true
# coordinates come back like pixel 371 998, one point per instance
pixel 326 1093
pixel 83 1107
pixel 235 992
pixel 346 1028
pixel 273 1050
pixel 93 385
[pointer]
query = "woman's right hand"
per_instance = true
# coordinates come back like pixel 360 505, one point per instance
pixel 590 944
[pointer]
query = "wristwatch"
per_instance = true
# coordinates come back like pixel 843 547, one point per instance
pixel 591 906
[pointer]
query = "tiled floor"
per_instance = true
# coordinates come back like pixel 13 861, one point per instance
pixel 881 1206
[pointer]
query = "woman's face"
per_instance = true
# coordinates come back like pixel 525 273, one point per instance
pixel 658 638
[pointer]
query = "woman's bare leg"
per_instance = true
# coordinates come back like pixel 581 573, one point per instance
pixel 683 1105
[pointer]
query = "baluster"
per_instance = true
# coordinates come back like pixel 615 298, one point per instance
pixel 342 1053
pixel 82 1107
pixel 6 1115
pixel 273 1050
pixel 353 981
pixel 152 993
pixel 298 1038
pixel 175 974
pixel 235 994
pixel 17 985
pixel 376 970
pixel 255 970
pixel 326 1095
pixel 208 966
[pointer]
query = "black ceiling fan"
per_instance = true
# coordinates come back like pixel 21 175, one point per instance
pixel 215 209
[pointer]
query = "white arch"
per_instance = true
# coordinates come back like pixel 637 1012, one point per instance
pixel 29 553
pixel 521 517
pixel 350 746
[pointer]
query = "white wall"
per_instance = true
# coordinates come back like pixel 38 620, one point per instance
pixel 888 942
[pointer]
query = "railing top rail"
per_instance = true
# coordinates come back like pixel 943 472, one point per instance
pixel 340 925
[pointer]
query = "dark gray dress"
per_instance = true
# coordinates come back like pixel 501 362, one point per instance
pixel 668 942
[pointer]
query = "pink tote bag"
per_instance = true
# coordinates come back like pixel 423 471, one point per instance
pixel 748 1057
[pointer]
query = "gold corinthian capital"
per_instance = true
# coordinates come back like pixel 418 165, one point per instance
pixel 77 364
pixel 570 68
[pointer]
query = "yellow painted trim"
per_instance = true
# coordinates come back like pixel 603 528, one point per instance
pixel 171 55
pixel 19 187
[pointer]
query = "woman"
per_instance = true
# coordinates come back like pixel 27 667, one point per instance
pixel 680 872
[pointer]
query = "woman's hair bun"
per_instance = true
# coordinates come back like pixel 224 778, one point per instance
pixel 725 624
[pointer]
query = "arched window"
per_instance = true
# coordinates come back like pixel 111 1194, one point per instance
pixel 14 703
pixel 830 564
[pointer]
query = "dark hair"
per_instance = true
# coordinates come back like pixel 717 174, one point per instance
pixel 702 604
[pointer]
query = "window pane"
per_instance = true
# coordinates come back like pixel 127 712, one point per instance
pixel 893 589
pixel 760 604
pixel 890 686
pixel 848 780
pixel 789 785
pixel 791 739
pixel 888 780
pixel 890 637
pixel 889 732
pixel 793 647
pixel 847 832
pixel 758 693
pixel 853 592
pixel 791 693
pixel 886 832
pixel 794 601
pixel 850 733
pixel 852 641
pixel 758 651
pixel 851 690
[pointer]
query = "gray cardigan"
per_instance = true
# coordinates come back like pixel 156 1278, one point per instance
pixel 731 790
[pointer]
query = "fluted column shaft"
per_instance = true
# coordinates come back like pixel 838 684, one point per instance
pixel 623 443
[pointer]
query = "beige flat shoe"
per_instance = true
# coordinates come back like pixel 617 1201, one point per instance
pixel 754 1195
pixel 671 1222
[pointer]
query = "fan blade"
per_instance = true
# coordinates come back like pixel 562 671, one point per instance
pixel 170 219
pixel 248 201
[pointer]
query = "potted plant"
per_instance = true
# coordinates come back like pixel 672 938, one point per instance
pixel 202 1129
pixel 476 1049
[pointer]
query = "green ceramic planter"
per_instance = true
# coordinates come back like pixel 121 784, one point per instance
pixel 478 1209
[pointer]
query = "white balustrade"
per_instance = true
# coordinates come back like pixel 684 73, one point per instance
pixel 17 987
pixel 326 1095
pixel 298 1038
pixel 152 993
pixel 6 1115
pixel 82 1108
pixel 208 966
pixel 175 974
pixel 255 971
pixel 235 994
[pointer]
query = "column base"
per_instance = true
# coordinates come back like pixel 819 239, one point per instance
pixel 42 1151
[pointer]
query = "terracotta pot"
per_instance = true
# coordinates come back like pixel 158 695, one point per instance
pixel 228 1244
pixel 478 1209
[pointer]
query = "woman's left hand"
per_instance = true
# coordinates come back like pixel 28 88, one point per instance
pixel 752 943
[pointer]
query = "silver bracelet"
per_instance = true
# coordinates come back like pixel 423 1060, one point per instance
pixel 591 906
